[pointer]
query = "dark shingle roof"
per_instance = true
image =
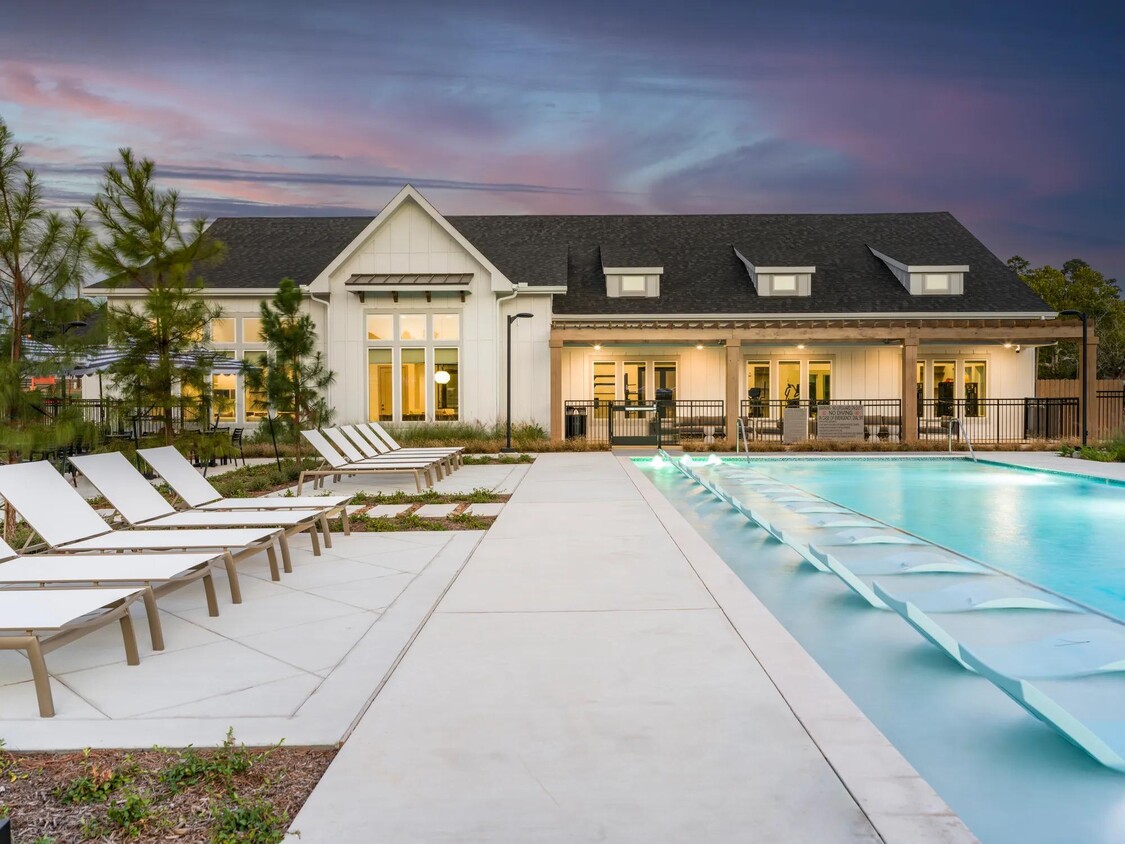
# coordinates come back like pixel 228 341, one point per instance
pixel 261 251
pixel 702 273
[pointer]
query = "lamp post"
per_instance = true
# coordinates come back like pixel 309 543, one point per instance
pixel 1085 373
pixel 511 318
pixel 273 434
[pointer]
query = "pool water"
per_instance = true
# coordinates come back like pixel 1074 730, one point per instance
pixel 1062 532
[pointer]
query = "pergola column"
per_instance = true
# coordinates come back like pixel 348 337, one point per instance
pixel 909 389
pixel 734 381
pixel 1090 400
pixel 557 421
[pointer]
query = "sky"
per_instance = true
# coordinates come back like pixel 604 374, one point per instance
pixel 1009 115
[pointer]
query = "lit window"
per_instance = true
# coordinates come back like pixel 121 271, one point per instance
pixel 976 387
pixel 222 330
pixel 784 284
pixel 447 326
pixel 379 388
pixel 256 400
pixel 252 330
pixel 412 327
pixel 413 374
pixel 380 327
pixel 446 385
pixel 935 282
pixel 633 284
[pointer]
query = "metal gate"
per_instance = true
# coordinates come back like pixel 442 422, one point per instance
pixel 634 423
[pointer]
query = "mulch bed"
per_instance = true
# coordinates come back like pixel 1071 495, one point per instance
pixel 207 796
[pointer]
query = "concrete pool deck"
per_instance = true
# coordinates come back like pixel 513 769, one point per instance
pixel 596 672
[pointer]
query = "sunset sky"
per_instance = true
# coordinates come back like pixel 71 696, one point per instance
pixel 1007 114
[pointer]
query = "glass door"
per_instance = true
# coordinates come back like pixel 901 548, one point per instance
pixel 758 387
pixel 633 379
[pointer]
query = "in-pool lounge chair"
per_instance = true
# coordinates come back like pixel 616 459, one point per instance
pixel 68 524
pixel 371 446
pixel 339 465
pixel 144 508
pixel 161 573
pixel 197 492
pixel 38 621
pixel 354 455
pixel 799 539
pixel 382 435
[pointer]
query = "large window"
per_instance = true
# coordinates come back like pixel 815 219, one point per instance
pixel 789 381
pixel 820 381
pixel 944 387
pixel 380 327
pixel 256 400
pixel 412 399
pixel 446 385
pixel 665 373
pixel 634 381
pixel 976 387
pixel 380 386
pixel 412 327
pixel 758 387
pixel 252 331
pixel 222 330
pixel 447 327
pixel 605 382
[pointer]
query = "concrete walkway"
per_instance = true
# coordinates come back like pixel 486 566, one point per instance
pixel 597 673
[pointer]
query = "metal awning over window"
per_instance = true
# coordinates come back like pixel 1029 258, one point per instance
pixel 417 281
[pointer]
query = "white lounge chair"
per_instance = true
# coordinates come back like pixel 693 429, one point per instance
pixel 382 435
pixel 371 446
pixel 39 621
pixel 197 492
pixel 354 455
pixel 68 524
pixel 162 573
pixel 339 465
pixel 144 508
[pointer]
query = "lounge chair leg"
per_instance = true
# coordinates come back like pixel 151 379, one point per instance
pixel 132 655
pixel 232 576
pixel 346 520
pixel 314 539
pixel 324 529
pixel 300 482
pixel 155 629
pixel 41 678
pixel 286 560
pixel 271 555
pixel 209 591
pixel 418 479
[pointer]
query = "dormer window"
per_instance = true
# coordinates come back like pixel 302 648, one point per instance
pixel 926 279
pixel 639 282
pixel 783 284
pixel 634 285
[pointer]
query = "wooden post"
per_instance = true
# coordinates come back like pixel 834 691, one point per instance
pixel 909 389
pixel 1090 400
pixel 557 421
pixel 734 382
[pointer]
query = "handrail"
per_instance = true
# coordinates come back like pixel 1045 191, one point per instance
pixel 965 432
pixel 743 437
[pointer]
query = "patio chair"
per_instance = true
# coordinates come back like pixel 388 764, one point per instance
pixel 371 446
pixel 197 492
pixel 68 524
pixel 236 441
pixel 381 435
pixel 144 508
pixel 338 465
pixel 37 621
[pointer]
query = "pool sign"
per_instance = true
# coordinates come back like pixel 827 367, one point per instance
pixel 795 424
pixel 839 422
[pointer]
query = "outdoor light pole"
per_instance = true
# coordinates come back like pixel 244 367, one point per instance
pixel 511 318
pixel 1085 374
pixel 273 434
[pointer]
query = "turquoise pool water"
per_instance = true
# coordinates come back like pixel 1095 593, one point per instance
pixel 1062 532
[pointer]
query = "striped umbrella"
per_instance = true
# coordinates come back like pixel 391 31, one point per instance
pixel 100 360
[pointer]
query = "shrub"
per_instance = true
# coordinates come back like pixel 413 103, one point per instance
pixel 248 822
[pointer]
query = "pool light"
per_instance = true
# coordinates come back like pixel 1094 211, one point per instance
pixel 658 462
pixel 685 460
pixel 714 460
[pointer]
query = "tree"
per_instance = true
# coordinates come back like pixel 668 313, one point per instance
pixel 296 378
pixel 42 255
pixel 1078 286
pixel 146 247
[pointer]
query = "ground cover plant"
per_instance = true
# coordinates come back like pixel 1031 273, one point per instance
pixel 1109 451
pixel 224 795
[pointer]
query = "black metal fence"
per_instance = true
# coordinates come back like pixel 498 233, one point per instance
pixel 1107 418
pixel 1001 420
pixel 645 423
pixel 763 418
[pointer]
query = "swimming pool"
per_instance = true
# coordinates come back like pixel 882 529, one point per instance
pixel 1061 532
pixel 1009 777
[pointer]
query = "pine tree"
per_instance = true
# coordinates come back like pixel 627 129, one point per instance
pixel 296 377
pixel 145 246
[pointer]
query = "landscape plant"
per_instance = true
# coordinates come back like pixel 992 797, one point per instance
pixel 147 246
pixel 296 377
